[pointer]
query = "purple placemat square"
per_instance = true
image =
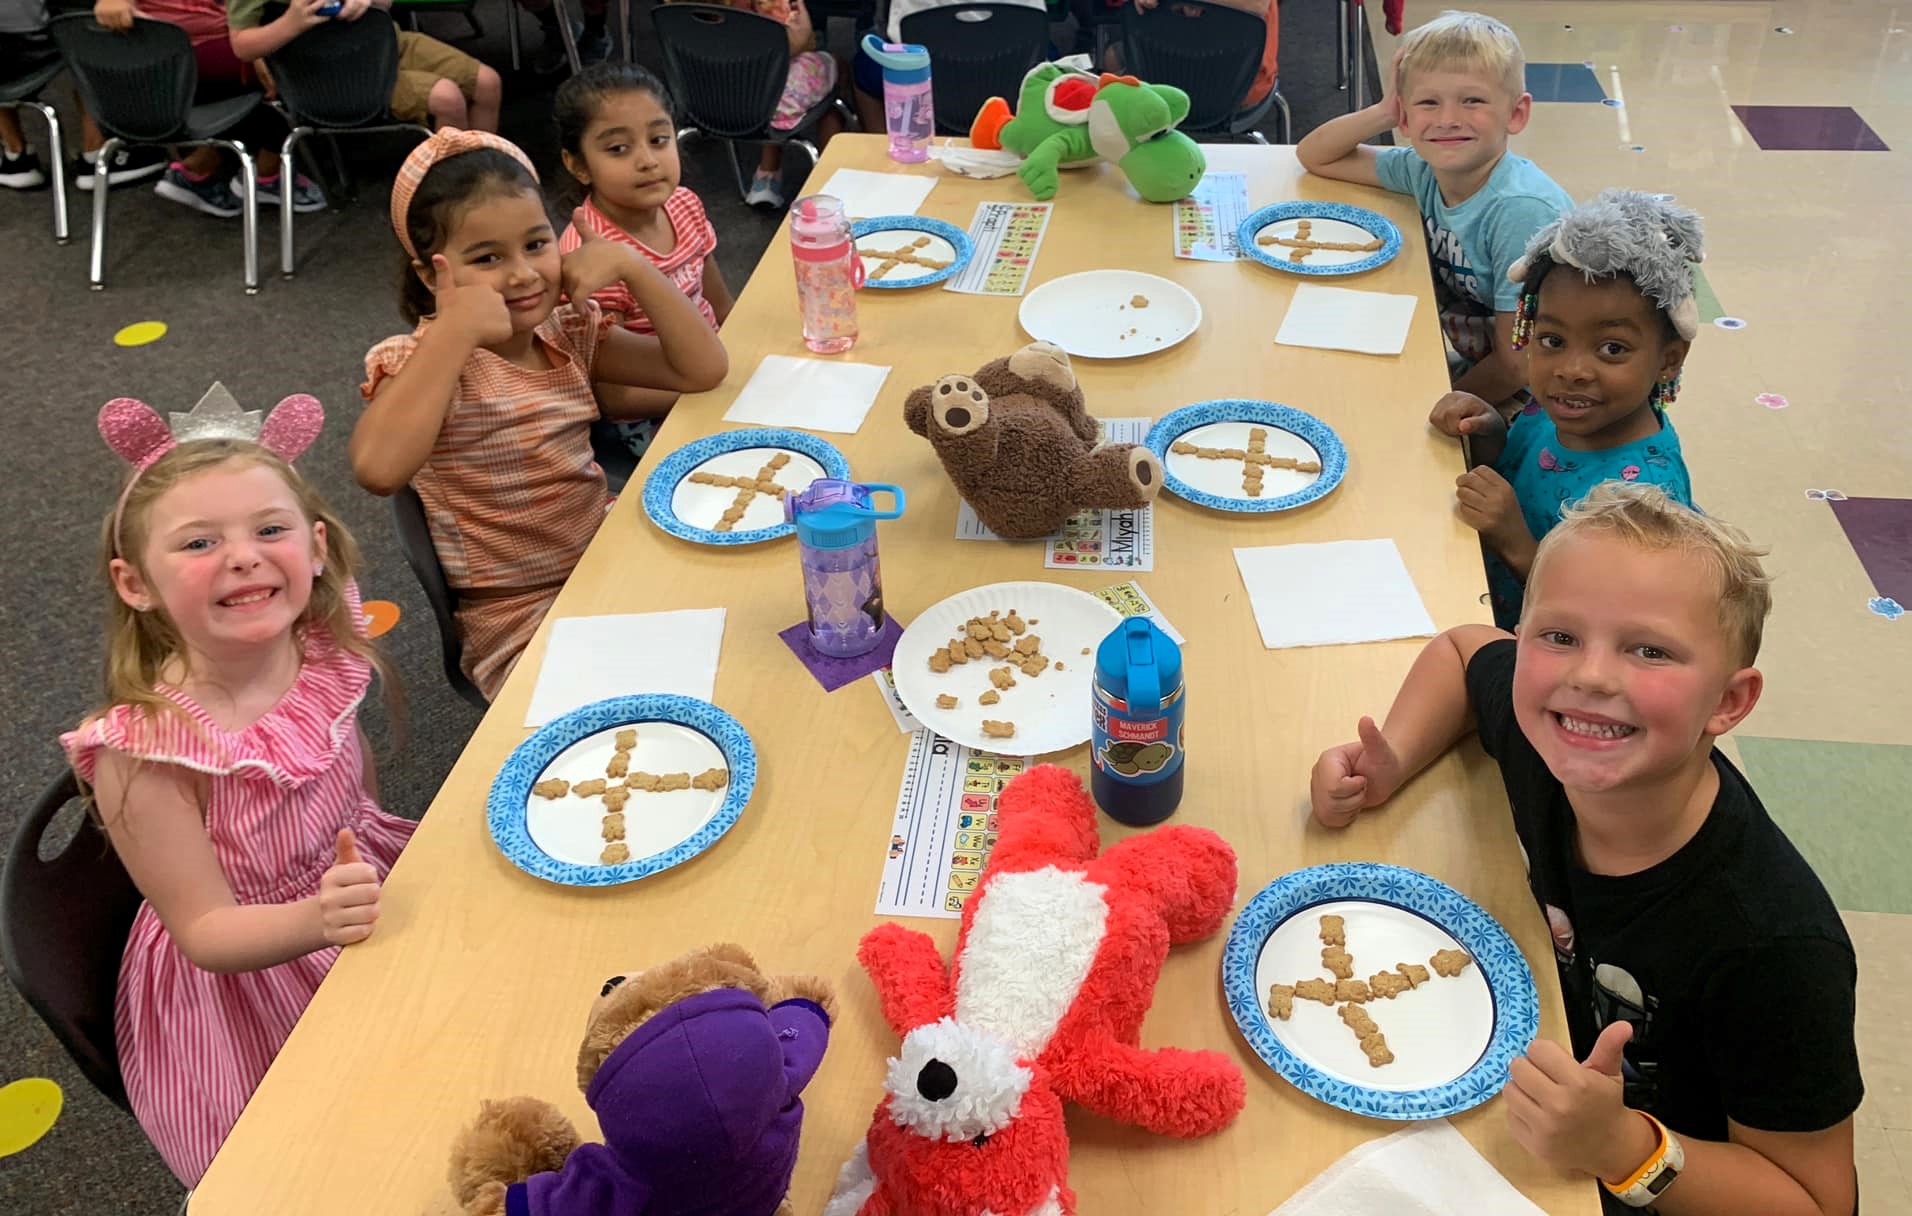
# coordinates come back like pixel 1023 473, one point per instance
pixel 1880 530
pixel 1809 129
pixel 835 673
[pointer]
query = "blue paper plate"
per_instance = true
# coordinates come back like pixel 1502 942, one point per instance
pixel 1516 1017
pixel 957 238
pixel 505 810
pixel 1334 455
pixel 1375 223
pixel 661 486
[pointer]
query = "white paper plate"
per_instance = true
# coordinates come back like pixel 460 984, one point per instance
pixel 705 505
pixel 1091 314
pixel 1051 711
pixel 1437 1032
pixel 571 828
pixel 1223 478
pixel 1330 231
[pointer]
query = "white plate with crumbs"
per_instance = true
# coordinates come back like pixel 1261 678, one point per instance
pixel 1048 703
pixel 1110 314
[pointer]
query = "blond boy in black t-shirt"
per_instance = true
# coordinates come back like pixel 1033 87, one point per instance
pixel 1708 979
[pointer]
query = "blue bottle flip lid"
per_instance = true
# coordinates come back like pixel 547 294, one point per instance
pixel 835 514
pixel 902 62
pixel 1139 664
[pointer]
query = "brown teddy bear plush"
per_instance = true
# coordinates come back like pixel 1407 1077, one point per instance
pixel 693 1068
pixel 1021 447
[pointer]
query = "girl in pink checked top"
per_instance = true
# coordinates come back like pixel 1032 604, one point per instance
pixel 620 145
pixel 228 767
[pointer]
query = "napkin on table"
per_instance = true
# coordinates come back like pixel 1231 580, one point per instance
pixel 1426 1170
pixel 810 394
pixel 590 658
pixel 1330 594
pixel 1337 318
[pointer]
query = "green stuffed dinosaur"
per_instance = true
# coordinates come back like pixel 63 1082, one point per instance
pixel 1067 117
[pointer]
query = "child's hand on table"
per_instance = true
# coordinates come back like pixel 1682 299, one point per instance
pixel 596 263
pixel 472 309
pixel 1460 414
pixel 1572 1114
pixel 348 895
pixel 1354 777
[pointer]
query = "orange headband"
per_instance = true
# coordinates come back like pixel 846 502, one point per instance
pixel 446 142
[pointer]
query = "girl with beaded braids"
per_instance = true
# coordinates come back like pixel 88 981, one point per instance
pixel 1606 317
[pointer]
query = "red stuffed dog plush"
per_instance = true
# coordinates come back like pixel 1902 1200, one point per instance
pixel 1055 967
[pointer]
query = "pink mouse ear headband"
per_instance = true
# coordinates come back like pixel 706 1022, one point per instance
pixel 136 432
pixel 444 143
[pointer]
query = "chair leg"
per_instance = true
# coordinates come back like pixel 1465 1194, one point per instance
pixel 627 41
pixel 1287 118
pixel 511 35
pixel 1357 56
pixel 569 35
pixel 810 150
pixel 1341 46
pixel 56 148
pixel 1255 136
pixel 348 185
pixel 96 275
pixel 736 169
pixel 249 215
pixel 288 174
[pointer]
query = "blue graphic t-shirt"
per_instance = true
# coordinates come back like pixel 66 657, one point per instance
pixel 1548 478
pixel 1472 244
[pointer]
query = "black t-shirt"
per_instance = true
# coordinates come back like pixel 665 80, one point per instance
pixel 1728 957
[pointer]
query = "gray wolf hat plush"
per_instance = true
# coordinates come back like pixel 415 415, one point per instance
pixel 1643 236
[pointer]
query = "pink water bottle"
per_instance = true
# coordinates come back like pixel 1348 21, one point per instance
pixel 908 112
pixel 828 273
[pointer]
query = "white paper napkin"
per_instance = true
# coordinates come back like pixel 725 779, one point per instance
pixel 590 658
pixel 867 195
pixel 1336 318
pixel 1427 1170
pixel 811 394
pixel 1329 594
pixel 975 162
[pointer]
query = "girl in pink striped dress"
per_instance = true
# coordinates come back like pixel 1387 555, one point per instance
pixel 228 766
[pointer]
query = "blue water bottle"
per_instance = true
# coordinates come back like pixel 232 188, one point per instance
pixel 842 583
pixel 1137 745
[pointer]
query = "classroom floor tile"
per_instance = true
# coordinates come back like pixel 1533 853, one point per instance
pixel 1843 806
pixel 1809 129
pixel 1564 82
pixel 1880 530
pixel 1883 944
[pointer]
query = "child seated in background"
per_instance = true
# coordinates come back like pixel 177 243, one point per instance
pixel 1606 316
pixel 1709 982
pixel 620 145
pixel 438 85
pixel 486 407
pixel 812 78
pixel 1457 90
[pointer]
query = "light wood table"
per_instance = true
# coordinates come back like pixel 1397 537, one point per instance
pixel 478 979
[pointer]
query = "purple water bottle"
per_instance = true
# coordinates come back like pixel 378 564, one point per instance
pixel 828 273
pixel 842 583
pixel 908 110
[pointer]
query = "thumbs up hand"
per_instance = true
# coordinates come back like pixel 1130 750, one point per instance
pixel 1573 1114
pixel 597 263
pixel 348 895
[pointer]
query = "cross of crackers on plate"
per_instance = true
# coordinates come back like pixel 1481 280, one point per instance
pixel 1302 243
pixel 1254 458
pixel 765 482
pixel 616 795
pixel 890 259
pixel 1353 994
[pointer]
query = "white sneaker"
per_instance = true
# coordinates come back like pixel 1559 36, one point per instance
pixel 766 190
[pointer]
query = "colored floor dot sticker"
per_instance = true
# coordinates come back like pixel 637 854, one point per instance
pixel 379 617
pixel 1826 495
pixel 1728 323
pixel 140 333
pixel 1772 401
pixel 1612 103
pixel 28 1109
pixel 1884 605
pixel 1782 29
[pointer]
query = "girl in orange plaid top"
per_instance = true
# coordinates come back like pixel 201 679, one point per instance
pixel 620 146
pixel 485 408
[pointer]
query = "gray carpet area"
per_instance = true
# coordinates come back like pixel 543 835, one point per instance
pixel 307 335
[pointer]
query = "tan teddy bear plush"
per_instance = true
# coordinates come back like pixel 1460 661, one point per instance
pixel 1019 444
pixel 693 1068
